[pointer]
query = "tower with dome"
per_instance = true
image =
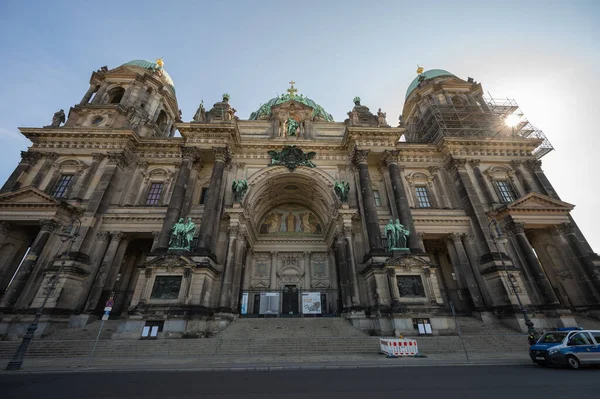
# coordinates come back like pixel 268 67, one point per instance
pixel 287 213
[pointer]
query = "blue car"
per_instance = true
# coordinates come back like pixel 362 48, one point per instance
pixel 567 348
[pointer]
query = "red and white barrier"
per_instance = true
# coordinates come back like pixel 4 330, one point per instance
pixel 398 347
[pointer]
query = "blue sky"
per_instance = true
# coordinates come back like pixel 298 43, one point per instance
pixel 543 54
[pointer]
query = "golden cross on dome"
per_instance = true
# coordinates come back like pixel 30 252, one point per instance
pixel 420 69
pixel 292 90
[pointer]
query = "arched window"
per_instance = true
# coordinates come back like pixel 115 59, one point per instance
pixel 161 121
pixel 116 95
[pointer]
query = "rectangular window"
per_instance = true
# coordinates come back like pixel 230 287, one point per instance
pixel 377 198
pixel 422 197
pixel 505 190
pixel 166 287
pixel 203 195
pixel 60 189
pixel 154 194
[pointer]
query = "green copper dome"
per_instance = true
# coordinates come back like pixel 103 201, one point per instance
pixel 152 66
pixel 265 109
pixel 430 74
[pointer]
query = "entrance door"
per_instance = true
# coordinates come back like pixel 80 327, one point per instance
pixel 290 300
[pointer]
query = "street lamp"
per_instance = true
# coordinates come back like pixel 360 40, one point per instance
pixel 71 232
pixel 500 238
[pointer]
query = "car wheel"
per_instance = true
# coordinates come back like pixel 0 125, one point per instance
pixel 573 362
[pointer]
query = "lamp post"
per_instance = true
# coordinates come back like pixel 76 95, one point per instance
pixel 502 239
pixel 71 232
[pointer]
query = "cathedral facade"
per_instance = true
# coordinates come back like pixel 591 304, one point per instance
pixel 287 214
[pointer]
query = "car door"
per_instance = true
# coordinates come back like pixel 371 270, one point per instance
pixel 595 356
pixel 580 344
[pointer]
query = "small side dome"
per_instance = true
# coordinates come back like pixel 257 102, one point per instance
pixel 430 74
pixel 153 67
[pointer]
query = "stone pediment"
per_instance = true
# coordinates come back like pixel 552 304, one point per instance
pixel 27 196
pixel 535 202
pixel 171 261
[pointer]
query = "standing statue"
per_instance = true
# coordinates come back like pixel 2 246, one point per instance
pixel 200 115
pixel 190 232
pixel 239 188
pixel 292 126
pixel 182 234
pixel 402 234
pixel 381 122
pixel 391 234
pixel 57 119
pixel 342 188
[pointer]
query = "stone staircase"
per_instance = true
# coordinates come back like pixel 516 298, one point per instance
pixel 266 337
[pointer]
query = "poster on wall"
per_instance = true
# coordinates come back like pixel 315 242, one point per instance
pixel 244 308
pixel 269 303
pixel 311 303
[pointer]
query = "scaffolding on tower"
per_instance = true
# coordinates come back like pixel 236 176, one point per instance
pixel 434 121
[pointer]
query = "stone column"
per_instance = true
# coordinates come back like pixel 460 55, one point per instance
pixel 306 256
pixel 274 271
pixel 133 189
pixel 439 187
pixel 401 201
pixel 104 270
pixel 49 160
pixel 240 250
pixel 189 156
pixel 394 290
pixel 518 167
pixel 213 199
pixel 100 93
pixel 187 202
pixel 590 269
pixel 353 280
pixel 84 183
pixel 487 193
pixel 340 247
pixel 20 280
pixel 88 95
pixel 535 166
pixel 28 159
pixel 472 203
pixel 461 282
pixel 368 199
pixel 536 269
pixel 471 248
pixel 155 235
pixel 5 228
pixel 102 239
pixel 467 271
pixel 115 269
pixel 229 266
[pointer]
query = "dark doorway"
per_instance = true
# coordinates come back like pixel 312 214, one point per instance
pixel 290 300
pixel 256 305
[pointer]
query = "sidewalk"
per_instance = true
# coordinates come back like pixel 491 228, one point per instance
pixel 262 362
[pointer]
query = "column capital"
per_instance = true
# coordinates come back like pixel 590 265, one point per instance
pixel 190 153
pixel 142 165
pixel 51 156
pixel 117 236
pixel 566 228
pixel 98 157
pixel 221 154
pixel 516 163
pixel 360 156
pixel 119 159
pixel 452 238
pixel 474 163
pixel 454 165
pixel 49 225
pixel 30 157
pixel 515 228
pixel 103 236
pixel 534 165
pixel 234 230
pixel 5 227
pixel 390 157
pixel 469 238
pixel 433 169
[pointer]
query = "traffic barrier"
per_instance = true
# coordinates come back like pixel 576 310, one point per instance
pixel 398 347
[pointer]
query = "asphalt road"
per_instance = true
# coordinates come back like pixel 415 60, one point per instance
pixel 480 382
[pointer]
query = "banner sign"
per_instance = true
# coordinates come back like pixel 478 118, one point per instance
pixel 244 309
pixel 311 303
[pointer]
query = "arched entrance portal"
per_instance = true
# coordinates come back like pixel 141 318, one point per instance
pixel 292 220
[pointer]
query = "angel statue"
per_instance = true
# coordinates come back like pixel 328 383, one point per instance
pixel 239 188
pixel 342 188
pixel 57 119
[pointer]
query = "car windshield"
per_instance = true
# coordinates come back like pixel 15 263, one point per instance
pixel 552 338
